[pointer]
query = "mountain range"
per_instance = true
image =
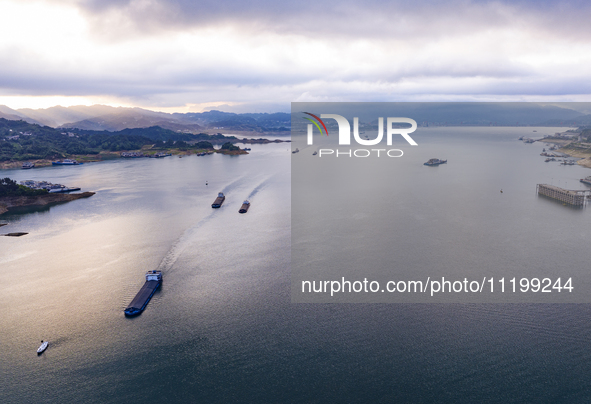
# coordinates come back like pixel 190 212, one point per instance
pixel 114 119
pixel 460 113
pixel 102 117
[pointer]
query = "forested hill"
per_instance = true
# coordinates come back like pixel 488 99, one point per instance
pixel 155 133
pixel 20 140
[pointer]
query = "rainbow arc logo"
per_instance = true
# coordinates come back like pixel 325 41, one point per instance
pixel 316 123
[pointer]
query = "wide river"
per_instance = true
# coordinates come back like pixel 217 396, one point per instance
pixel 222 328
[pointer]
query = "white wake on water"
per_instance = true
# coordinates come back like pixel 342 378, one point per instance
pixel 186 239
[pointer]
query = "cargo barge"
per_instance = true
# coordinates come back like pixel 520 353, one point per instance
pixel 244 207
pixel 140 301
pixel 218 201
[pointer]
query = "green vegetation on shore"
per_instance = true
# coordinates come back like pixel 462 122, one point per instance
pixel 230 147
pixel 21 141
pixel 9 187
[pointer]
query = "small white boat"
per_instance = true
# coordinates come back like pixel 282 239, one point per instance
pixel 43 347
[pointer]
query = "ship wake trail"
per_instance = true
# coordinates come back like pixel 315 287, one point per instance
pixel 262 185
pixel 183 242
pixel 187 237
pixel 233 184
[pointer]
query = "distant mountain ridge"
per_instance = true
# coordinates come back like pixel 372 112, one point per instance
pixel 582 120
pixel 188 122
pixel 58 115
pixel 461 113
pixel 13 115
pixel 113 119
pixel 132 119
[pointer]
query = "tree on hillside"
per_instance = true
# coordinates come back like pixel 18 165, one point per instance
pixel 229 146
pixel 9 187
pixel 203 145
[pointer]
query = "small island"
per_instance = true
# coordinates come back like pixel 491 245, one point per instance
pixel 13 195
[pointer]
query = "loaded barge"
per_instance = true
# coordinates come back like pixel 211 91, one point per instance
pixel 140 301
pixel 244 207
pixel 218 201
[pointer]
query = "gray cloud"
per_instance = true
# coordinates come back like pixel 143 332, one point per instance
pixel 24 75
pixel 312 51
pixel 350 18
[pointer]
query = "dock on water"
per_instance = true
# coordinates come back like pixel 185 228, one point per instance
pixel 571 197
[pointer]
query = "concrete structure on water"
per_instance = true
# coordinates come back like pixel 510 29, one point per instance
pixel 572 197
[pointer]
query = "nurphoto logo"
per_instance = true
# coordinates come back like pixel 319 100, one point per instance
pixel 345 134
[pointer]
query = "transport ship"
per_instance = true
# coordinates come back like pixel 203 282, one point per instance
pixel 218 201
pixel 586 180
pixel 244 207
pixel 140 301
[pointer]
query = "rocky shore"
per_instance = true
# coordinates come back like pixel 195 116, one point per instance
pixel 572 149
pixel 583 154
pixel 9 202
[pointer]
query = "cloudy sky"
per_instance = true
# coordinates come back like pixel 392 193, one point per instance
pixel 258 56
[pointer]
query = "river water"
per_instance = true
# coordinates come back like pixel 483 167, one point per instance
pixel 477 217
pixel 222 328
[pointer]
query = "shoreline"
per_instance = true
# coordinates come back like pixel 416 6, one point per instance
pixel 104 156
pixel 584 154
pixel 109 155
pixel 569 148
pixel 10 202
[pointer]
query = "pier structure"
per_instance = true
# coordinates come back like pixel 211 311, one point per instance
pixel 572 197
